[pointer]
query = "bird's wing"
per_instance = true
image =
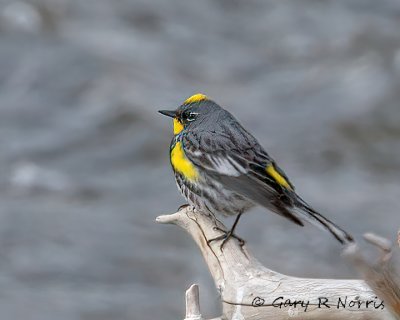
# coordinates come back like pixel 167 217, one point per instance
pixel 219 154
pixel 243 167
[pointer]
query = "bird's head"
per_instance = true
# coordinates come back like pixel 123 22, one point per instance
pixel 189 112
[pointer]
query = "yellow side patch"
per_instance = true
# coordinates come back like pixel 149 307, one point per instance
pixel 195 98
pixel 277 176
pixel 178 126
pixel 182 164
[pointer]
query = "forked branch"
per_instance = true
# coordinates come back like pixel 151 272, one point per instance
pixel 250 291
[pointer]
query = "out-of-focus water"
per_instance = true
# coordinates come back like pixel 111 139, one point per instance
pixel 84 155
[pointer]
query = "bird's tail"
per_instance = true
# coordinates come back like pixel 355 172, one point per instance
pixel 309 214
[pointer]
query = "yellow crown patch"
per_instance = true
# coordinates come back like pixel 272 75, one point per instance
pixel 196 98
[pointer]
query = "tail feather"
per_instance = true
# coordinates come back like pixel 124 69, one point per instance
pixel 309 214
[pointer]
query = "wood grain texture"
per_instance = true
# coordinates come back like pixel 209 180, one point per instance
pixel 248 289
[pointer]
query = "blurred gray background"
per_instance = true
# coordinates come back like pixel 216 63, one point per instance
pixel 84 154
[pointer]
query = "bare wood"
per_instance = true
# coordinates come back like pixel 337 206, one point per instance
pixel 380 276
pixel 193 303
pixel 398 238
pixel 248 289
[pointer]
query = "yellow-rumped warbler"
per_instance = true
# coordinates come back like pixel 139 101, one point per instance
pixel 221 168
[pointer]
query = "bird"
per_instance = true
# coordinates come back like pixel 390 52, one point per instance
pixel 221 168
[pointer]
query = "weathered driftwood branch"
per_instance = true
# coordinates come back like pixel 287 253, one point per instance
pixel 193 303
pixel 250 291
pixel 379 276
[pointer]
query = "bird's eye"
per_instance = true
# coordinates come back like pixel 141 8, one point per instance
pixel 189 116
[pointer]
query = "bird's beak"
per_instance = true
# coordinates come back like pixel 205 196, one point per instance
pixel 168 113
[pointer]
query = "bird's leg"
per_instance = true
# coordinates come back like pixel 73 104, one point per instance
pixel 228 234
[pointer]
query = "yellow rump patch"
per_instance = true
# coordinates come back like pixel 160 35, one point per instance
pixel 195 98
pixel 182 164
pixel 277 176
pixel 178 126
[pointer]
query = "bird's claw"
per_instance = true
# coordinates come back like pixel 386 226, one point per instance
pixel 225 237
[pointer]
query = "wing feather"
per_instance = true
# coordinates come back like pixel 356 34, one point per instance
pixel 242 170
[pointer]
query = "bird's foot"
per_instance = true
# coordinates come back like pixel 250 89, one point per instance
pixel 225 237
